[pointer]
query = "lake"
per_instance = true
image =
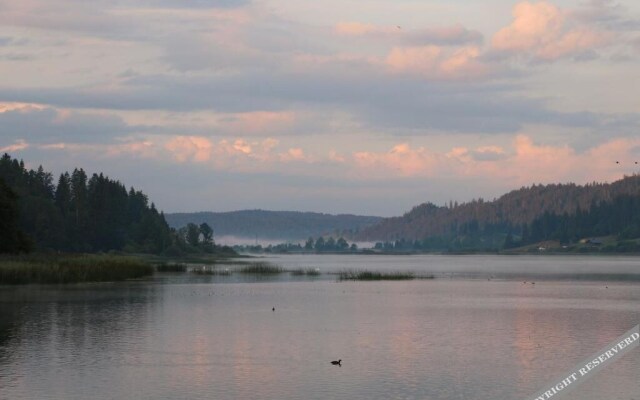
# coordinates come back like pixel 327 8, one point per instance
pixel 477 331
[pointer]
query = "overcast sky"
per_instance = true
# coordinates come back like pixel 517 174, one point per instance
pixel 340 106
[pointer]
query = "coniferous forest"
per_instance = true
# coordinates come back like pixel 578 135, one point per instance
pixel 566 213
pixel 81 213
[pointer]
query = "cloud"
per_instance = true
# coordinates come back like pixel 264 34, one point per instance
pixel 437 63
pixel 607 14
pixel 67 16
pixel 454 35
pixel 544 31
pixel 294 154
pixel 131 148
pixel 193 3
pixel 523 163
pixel 402 160
pixel 358 29
pixel 260 122
pixel 399 103
pixel 38 123
pixel 528 162
pixel 489 153
pixel 16 146
pixel 190 148
pixel 230 154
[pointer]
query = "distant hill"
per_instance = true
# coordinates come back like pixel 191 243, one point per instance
pixel 284 225
pixel 514 212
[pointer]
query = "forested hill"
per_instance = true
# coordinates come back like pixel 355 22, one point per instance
pixel 285 225
pixel 515 212
pixel 81 213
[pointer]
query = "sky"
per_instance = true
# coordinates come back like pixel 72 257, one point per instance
pixel 350 106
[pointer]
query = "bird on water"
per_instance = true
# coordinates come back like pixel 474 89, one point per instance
pixel 337 362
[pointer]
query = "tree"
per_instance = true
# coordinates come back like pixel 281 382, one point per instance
pixel 330 244
pixel 12 239
pixel 309 244
pixel 207 236
pixel 193 234
pixel 63 194
pixel 319 246
pixel 508 241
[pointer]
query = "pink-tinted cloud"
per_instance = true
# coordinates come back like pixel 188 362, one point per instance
pixel 401 160
pixel 358 29
pixel 294 154
pixel 435 62
pixel 336 157
pixel 454 35
pixel 16 146
pixel 22 107
pixel 261 122
pixel 526 162
pixel 190 148
pixel 545 32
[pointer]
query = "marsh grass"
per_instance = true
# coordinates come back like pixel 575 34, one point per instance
pixel 171 267
pixel 212 271
pixel 356 275
pixel 71 269
pixel 307 272
pixel 261 268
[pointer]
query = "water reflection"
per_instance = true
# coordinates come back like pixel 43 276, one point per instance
pixel 439 339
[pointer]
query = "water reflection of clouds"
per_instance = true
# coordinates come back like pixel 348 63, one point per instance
pixel 436 339
pixel 66 334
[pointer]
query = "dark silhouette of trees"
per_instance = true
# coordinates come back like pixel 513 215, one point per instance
pixel 80 214
pixel 12 239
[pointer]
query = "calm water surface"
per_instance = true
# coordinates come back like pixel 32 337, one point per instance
pixel 460 336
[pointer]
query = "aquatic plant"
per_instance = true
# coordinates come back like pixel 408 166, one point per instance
pixel 308 272
pixel 71 268
pixel 261 268
pixel 363 275
pixel 175 267
pixel 212 271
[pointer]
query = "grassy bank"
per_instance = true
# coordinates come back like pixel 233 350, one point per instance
pixel 17 270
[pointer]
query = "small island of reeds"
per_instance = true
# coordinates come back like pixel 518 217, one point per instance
pixel 363 275
pixel 53 269
pixel 307 272
pixel 261 268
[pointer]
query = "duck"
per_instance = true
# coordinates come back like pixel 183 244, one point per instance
pixel 337 362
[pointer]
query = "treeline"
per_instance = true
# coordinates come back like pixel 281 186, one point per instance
pixel 512 212
pixel 620 218
pixel 79 213
pixel 319 245
pixel 275 225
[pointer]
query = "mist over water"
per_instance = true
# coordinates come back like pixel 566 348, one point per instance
pixel 459 336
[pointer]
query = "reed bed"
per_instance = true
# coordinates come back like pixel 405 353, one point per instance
pixel 175 267
pixel 71 269
pixel 307 272
pixel 212 271
pixel 262 268
pixel 359 275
